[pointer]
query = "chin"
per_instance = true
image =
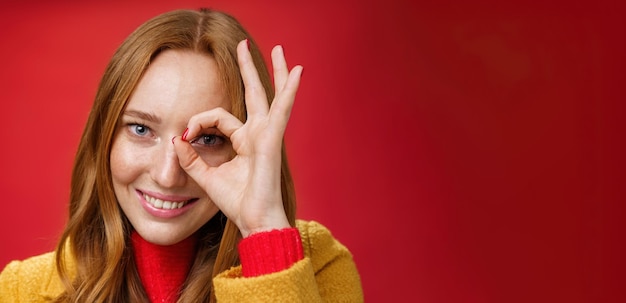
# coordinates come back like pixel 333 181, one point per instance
pixel 163 239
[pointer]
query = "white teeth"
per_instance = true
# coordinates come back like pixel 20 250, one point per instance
pixel 160 204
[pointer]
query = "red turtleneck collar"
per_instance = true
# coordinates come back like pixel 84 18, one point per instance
pixel 163 269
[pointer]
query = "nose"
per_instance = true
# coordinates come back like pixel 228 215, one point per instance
pixel 166 170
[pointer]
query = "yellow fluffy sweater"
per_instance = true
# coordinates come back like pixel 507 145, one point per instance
pixel 326 274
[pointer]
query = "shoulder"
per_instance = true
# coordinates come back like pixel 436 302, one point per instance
pixel 31 270
pixel 29 279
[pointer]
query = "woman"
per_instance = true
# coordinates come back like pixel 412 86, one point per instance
pixel 204 216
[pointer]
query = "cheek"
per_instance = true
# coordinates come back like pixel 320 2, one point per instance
pixel 123 169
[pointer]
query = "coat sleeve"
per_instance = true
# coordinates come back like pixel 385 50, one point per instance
pixel 326 274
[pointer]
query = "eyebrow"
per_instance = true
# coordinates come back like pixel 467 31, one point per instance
pixel 143 115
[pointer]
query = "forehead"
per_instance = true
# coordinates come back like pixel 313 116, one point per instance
pixel 179 83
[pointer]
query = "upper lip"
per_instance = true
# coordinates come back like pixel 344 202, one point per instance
pixel 165 197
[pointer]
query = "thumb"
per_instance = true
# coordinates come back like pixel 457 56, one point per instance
pixel 190 161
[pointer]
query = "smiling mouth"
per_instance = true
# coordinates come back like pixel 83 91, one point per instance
pixel 164 204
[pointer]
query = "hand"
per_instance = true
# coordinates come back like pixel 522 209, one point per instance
pixel 247 189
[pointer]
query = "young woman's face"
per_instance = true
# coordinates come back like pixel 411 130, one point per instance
pixel 162 202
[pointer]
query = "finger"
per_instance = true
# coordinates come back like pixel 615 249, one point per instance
pixel 218 117
pixel 280 68
pixel 190 161
pixel 283 102
pixel 256 100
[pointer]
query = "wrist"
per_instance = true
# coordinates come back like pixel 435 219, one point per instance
pixel 270 223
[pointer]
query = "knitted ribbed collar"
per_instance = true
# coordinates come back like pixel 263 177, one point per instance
pixel 163 269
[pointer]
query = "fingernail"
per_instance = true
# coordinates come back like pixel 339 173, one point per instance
pixel 248 43
pixel 173 138
pixel 185 134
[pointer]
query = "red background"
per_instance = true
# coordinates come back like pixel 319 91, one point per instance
pixel 463 152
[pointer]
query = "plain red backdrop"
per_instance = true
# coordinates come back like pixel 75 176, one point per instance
pixel 463 152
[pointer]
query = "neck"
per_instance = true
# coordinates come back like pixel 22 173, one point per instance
pixel 163 269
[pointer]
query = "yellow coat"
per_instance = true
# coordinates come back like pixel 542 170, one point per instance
pixel 326 274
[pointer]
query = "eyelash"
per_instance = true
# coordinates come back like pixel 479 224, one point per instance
pixel 221 140
pixel 132 126
pixel 133 129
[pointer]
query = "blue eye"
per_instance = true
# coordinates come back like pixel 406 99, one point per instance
pixel 139 129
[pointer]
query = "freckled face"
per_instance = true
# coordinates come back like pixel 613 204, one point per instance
pixel 162 202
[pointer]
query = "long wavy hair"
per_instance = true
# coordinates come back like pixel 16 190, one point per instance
pixel 94 257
